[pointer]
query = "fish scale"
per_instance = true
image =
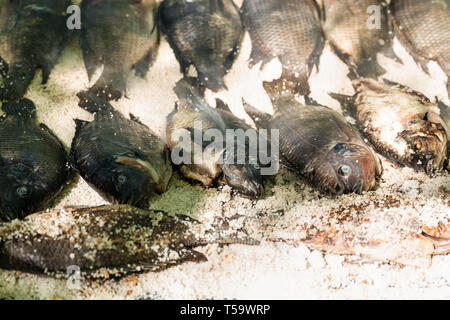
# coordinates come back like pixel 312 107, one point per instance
pixel 424 27
pixel 288 30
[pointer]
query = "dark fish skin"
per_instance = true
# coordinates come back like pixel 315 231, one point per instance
pixel 354 40
pixel 414 134
pixel 120 239
pixel 319 143
pixel 120 35
pixel 289 30
pixel 33 162
pixel 423 26
pixel 122 159
pixel 203 33
pixel 245 178
pixel 33 34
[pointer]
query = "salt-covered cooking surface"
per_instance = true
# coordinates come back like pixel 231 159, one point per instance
pixel 312 246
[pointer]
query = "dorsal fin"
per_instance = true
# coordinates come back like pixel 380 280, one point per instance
pixel 24 108
pixel 261 119
pixel 79 125
pixel 222 105
pixel 93 103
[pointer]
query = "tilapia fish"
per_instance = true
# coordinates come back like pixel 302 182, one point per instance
pixel 193 115
pixel 423 26
pixel 33 162
pixel 357 31
pixel 33 34
pixel 105 241
pixel 120 35
pixel 400 123
pixel 319 143
pixel 288 30
pixel 122 159
pixel 203 33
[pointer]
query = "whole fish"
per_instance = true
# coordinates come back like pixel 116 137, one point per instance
pixel 358 30
pixel 33 34
pixel 122 159
pixel 423 26
pixel 33 162
pixel 203 33
pixel 319 143
pixel 193 114
pixel 106 241
pixel 400 123
pixel 288 30
pixel 120 35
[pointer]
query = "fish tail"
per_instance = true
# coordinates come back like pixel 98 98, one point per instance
pixel 23 108
pixel 189 90
pixel 260 118
pixel 92 102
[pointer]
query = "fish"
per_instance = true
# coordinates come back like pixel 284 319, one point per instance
pixel 122 159
pixel 423 27
pixel 107 241
pixel 33 162
pixel 33 33
pixel 318 143
pixel 121 35
pixel 358 30
pixel 206 166
pixel 288 30
pixel 398 122
pixel 203 33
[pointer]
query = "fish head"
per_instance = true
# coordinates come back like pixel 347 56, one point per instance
pixel 245 178
pixel 128 179
pixel 22 191
pixel 352 168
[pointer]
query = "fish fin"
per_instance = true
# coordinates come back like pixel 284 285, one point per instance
pixel 79 125
pixel 212 78
pixel 261 119
pixel 24 108
pixel 93 103
pixel 137 120
pixel 311 102
pixel 370 69
pixel 142 66
pixel 188 88
pixel 390 53
pixel 258 55
pixel 403 87
pixel 279 87
pixel 222 105
pixel 50 132
pixel 347 102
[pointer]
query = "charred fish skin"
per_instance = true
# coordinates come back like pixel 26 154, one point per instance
pixel 206 167
pixel 424 28
pixel 203 33
pixel 121 35
pixel 33 162
pixel 122 159
pixel 288 30
pixel 400 123
pixel 355 38
pixel 120 239
pixel 319 143
pixel 33 34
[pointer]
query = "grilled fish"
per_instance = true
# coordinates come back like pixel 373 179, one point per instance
pixel 33 34
pixel 203 33
pixel 318 142
pixel 288 30
pixel 122 159
pixel 117 239
pixel 423 26
pixel 33 162
pixel 193 115
pixel 358 30
pixel 120 35
pixel 401 124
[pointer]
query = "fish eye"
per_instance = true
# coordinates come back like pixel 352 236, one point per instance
pixel 344 170
pixel 339 147
pixel 121 179
pixel 22 191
